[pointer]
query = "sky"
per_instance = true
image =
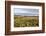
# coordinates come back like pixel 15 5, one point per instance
pixel 26 12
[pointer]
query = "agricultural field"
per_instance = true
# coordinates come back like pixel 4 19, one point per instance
pixel 26 21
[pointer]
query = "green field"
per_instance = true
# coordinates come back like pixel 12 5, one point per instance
pixel 26 21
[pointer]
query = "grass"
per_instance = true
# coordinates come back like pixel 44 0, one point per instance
pixel 26 21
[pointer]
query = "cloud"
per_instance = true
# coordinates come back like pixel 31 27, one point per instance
pixel 19 11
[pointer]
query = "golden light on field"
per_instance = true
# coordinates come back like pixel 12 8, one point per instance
pixel 26 21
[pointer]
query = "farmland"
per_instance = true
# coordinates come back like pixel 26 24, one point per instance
pixel 26 21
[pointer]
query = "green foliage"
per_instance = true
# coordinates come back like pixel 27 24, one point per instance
pixel 25 22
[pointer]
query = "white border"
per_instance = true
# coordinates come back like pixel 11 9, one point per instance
pixel 26 28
